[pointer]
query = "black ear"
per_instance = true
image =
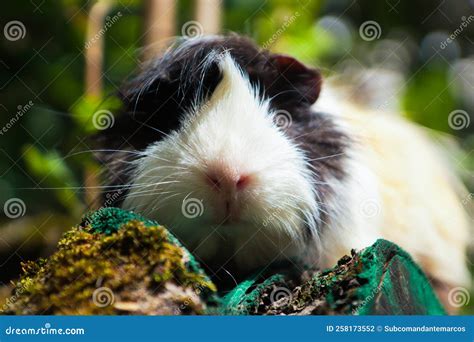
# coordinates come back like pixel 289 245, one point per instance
pixel 155 101
pixel 294 82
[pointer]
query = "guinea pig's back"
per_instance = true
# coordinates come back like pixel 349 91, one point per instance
pixel 419 203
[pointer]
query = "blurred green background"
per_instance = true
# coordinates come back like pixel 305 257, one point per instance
pixel 403 61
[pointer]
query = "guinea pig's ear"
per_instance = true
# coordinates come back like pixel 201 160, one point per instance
pixel 295 79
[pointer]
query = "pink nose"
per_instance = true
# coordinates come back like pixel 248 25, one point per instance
pixel 227 181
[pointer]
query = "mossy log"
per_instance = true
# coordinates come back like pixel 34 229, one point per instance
pixel 380 280
pixel 118 262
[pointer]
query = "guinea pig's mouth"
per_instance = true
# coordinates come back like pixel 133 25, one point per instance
pixel 230 219
pixel 227 221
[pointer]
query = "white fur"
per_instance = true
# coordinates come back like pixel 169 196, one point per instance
pixel 355 209
pixel 233 130
pixel 394 167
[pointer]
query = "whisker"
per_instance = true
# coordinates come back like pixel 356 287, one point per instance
pixel 327 157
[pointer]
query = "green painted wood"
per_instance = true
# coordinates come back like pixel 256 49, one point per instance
pixel 396 284
pixel 380 280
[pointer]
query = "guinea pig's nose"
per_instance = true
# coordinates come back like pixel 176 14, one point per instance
pixel 227 180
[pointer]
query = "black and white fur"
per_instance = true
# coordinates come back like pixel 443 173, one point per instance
pixel 200 123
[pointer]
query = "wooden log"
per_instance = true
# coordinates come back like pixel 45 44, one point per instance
pixel 118 262
pixel 379 280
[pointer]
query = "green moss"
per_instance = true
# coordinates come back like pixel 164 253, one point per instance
pixel 137 261
pixel 109 220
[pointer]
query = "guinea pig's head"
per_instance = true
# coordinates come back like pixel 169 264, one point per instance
pixel 218 143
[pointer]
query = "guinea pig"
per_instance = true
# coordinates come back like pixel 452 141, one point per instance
pixel 249 161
